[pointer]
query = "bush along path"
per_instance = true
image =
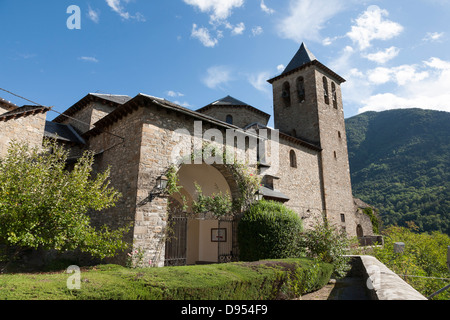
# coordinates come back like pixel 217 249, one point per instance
pixel 263 280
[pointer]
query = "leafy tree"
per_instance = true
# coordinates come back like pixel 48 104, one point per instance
pixel 43 205
pixel 399 162
pixel 423 264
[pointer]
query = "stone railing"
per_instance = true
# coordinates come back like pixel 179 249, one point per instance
pixel 381 282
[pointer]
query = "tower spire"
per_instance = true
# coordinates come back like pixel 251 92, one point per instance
pixel 303 56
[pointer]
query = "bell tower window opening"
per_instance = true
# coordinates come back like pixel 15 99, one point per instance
pixel 229 119
pixel 301 89
pixel 334 94
pixel 325 90
pixel 286 94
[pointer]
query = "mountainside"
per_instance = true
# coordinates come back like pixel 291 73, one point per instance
pixel 399 161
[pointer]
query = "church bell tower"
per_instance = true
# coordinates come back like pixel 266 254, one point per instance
pixel 308 105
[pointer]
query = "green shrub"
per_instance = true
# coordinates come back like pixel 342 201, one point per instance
pixel 269 230
pixel 329 244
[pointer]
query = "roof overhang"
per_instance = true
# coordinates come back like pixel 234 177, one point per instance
pixel 315 63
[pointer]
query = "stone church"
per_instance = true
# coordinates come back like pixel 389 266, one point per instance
pixel 134 136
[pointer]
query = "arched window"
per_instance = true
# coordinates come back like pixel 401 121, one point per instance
pixel 301 89
pixel 334 94
pixel 229 119
pixel 359 231
pixel 293 159
pixel 325 90
pixel 286 94
pixel 294 133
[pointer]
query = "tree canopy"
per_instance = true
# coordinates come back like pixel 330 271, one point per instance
pixel 44 205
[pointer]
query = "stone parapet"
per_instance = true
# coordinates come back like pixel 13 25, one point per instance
pixel 383 283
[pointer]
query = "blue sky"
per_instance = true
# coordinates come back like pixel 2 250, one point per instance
pixel 393 54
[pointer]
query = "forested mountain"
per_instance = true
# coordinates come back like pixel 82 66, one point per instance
pixel 400 162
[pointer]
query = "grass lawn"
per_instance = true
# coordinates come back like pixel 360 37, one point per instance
pixel 266 280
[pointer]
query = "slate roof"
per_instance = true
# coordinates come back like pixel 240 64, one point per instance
pixel 8 104
pixel 23 111
pixel 302 57
pixel 228 101
pixel 62 132
pixel 233 102
pixel 112 99
pixel 267 192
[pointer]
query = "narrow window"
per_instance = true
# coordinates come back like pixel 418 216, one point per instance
pixel 334 94
pixel 325 90
pixel 339 135
pixel 335 155
pixel 293 159
pixel 342 217
pixel 294 133
pixel 286 94
pixel 301 89
pixel 229 119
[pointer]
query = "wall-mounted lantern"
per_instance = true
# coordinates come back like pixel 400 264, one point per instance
pixel 259 196
pixel 161 186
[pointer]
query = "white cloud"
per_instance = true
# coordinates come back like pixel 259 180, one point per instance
pixel 173 94
pixel 88 59
pixel 427 89
pixel 238 29
pixel 372 25
pixel 217 76
pixel 438 64
pixel 383 56
pixel 219 9
pixel 342 63
pixel 259 81
pixel 183 104
pixel 117 7
pixel 266 9
pixel 256 31
pixel 93 15
pixel 401 75
pixel 433 36
pixel 306 18
pixel 204 36
pixel 281 67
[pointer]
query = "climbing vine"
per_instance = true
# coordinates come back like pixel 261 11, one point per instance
pixel 220 204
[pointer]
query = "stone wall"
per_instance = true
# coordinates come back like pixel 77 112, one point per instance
pixel 302 184
pixel 122 156
pixel 382 283
pixel 242 115
pixel 28 128
pixel 298 118
pixel 85 119
pixel 321 123
pixel 335 163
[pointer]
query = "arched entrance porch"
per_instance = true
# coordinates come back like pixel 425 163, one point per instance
pixel 200 238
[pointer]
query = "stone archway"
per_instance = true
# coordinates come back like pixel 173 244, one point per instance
pixel 199 234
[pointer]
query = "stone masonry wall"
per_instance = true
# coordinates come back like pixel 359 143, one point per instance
pixel 88 116
pixel 335 163
pixel 28 129
pixel 301 184
pixel 322 124
pixel 122 157
pixel 241 115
